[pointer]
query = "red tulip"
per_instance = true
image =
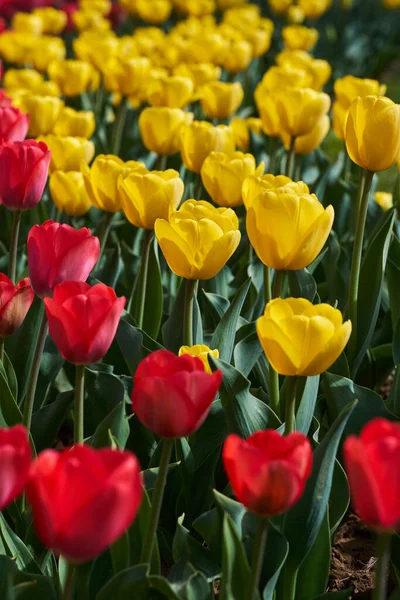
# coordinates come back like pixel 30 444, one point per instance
pixel 5 101
pixel 58 253
pixel 15 460
pixel 23 173
pixel 14 124
pixel 15 301
pixel 172 395
pixel 268 472
pixel 372 463
pixel 83 499
pixel 83 320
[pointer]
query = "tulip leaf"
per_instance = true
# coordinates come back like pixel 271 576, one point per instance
pixel 393 279
pixel 186 548
pixel 104 391
pixel 313 574
pixel 236 572
pixel 111 265
pixel 115 423
pixel 215 305
pixel 47 422
pixel 248 350
pixel 137 532
pixel 11 376
pixel 306 408
pixel 172 330
pixel 393 401
pixel 302 284
pixel 10 414
pixel 120 553
pixel 127 584
pixel 340 497
pixel 135 344
pixel 16 548
pixel 370 287
pixel 303 521
pixel 224 335
pixel 33 587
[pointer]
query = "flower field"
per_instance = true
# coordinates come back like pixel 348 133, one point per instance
pixel 200 300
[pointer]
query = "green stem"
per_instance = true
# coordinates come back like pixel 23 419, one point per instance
pixel 2 351
pixel 79 404
pixel 291 159
pixel 273 143
pixel 144 268
pixel 199 188
pixel 267 284
pixel 69 586
pixel 34 373
pixel 191 293
pixel 362 210
pixel 118 128
pixel 257 558
pixel 289 585
pixel 12 261
pixel 156 501
pixel 290 418
pixel 277 283
pixel 273 376
pixel 104 235
pixel 382 566
pixel 161 163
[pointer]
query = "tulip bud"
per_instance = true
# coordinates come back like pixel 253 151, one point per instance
pixel 241 130
pixel 13 124
pixel 282 464
pixel 74 123
pixel 5 101
pixel 238 56
pixel 220 100
pixel 160 128
pixel 69 194
pixel 58 253
pixel 372 133
pixel 126 76
pixel 305 144
pixel 174 91
pixel 101 180
pixel 202 352
pixel 15 301
pixel 83 320
pixel 15 462
pixel 279 7
pixel 371 462
pixel 23 173
pixel 53 20
pixel 300 109
pixel 313 9
pixel 45 50
pixel 27 23
pixel 200 138
pixel 300 338
pixel 43 112
pixel 146 197
pixel 223 176
pixel 68 153
pixel 298 37
pixel 254 185
pixel 90 20
pixel 26 79
pixel 384 199
pixel 199 73
pixel 198 239
pixel 73 77
pixel 109 486
pixel 172 395
pixel 156 12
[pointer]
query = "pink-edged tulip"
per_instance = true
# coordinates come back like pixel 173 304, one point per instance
pixel 15 301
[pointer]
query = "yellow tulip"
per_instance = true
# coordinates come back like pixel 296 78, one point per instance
pixel 16 47
pixel 160 128
pixel 53 20
pixel 305 144
pixel 220 100
pixel 241 130
pixel 287 230
pixel 92 46
pixel 195 8
pixel 148 196
pixel 90 20
pixel 300 338
pixel 100 6
pixel 281 77
pixel 174 91
pixel 200 351
pixel 270 118
pixel 75 123
pixel 384 199
pixel 155 12
pixel 372 133
pixel 101 180
pixel 295 15
pixel 43 112
pixel 254 185
pixel 390 4
pixel 27 23
pixel 259 38
pixel 298 37
pixel 27 79
pixel 208 48
pixel 200 138
pixel 279 7
pixel 73 76
pixel 238 56
pixel 126 76
pixel 313 9
pixel 300 109
pixel 339 118
pixel 45 50
pixel 223 176
pixel 318 71
pixel 199 73
pixel 198 239
pixel 68 153
pixel 242 16
pixel 68 191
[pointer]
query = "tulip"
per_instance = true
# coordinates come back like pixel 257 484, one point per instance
pixel 372 133
pixel 155 12
pixel 146 197
pixel 68 192
pixel 241 130
pixel 46 49
pixel 295 15
pixel 300 109
pixel 16 79
pixel 270 119
pixel 53 21
pixel 313 9
pixel 173 92
pixel 384 199
pixel 92 46
pixel 23 173
pixel 88 20
pixel 199 73
pixel 101 180
pixel 278 78
pixel 172 395
pixel 298 37
pixel 318 71
pixel 13 124
pixel 223 176
pixel 286 229
pixel 305 144
pixel 58 253
pixel 126 76
pixel 26 23
pixel 300 338
pixel 279 7
pixel 15 462
pixel 220 100
pixel 15 301
pixel 68 153
pixel 202 352
pixel 160 128
pixel 5 101
pixel 73 77
pixel 70 492
pixel 198 239
pixel 238 56
pixel 254 185
pixel 43 112
pixel 200 138
pixel 73 123
pixel 83 320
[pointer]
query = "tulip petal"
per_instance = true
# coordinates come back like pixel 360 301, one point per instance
pixel 174 248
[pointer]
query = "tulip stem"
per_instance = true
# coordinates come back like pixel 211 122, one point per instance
pixel 12 261
pixel 290 418
pixel 267 284
pixel 272 155
pixel 273 377
pixel 142 280
pixel 161 163
pixel 291 159
pixel 2 351
pixel 382 566
pixel 290 583
pixel 361 216
pixel 277 284
pixel 34 373
pixel 104 236
pixel 69 585
pixel 191 294
pixel 118 128
pixel 156 500
pixel 79 404
pixel 257 558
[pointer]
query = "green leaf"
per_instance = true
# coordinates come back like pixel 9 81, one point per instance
pixel 224 335
pixel 393 279
pixel 215 306
pixel 248 350
pixel 10 414
pixel 186 548
pixel 370 287
pixel 393 401
pixel 276 550
pixel 307 404
pixel 313 574
pixel 120 553
pixel 137 532
pixel 16 548
pixel 111 265
pixel 153 307
pixel 340 497
pixel 115 424
pixel 236 571
pixel 34 587
pixel 172 330
pixel 11 376
pixel 303 521
pixel 302 284
pixel 47 422
pixel 103 392
pixel 127 584
pixel 135 344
